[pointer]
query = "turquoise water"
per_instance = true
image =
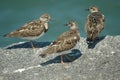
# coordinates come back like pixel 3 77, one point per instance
pixel 14 13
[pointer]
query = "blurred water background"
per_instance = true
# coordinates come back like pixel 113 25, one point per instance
pixel 15 13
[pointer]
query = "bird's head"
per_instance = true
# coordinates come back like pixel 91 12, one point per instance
pixel 72 25
pixel 93 9
pixel 45 17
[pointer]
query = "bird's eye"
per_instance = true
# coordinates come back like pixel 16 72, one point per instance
pixel 93 9
pixel 46 17
pixel 71 24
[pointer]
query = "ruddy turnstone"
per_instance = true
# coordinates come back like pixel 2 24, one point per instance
pixel 64 42
pixel 94 23
pixel 32 30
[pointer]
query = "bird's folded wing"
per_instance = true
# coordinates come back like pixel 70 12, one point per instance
pixel 34 28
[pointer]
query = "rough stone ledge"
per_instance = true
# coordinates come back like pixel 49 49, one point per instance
pixel 98 61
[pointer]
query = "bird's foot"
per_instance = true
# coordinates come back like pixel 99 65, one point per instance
pixel 43 55
pixel 89 41
pixel 68 57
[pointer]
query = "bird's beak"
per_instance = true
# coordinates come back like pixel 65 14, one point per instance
pixel 52 20
pixel 66 24
pixel 87 9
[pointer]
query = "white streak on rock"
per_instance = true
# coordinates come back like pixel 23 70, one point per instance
pixel 19 70
pixel 24 69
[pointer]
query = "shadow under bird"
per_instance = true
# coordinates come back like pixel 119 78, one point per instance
pixel 64 42
pixel 94 23
pixel 32 30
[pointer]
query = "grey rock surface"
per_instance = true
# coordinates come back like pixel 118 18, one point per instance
pixel 97 61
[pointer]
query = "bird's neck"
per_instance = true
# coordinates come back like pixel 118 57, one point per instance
pixel 46 26
pixel 94 11
pixel 73 27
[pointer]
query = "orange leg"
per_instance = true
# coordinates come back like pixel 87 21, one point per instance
pixel 69 58
pixel 62 62
pixel 32 44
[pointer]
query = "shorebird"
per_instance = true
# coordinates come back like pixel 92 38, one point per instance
pixel 32 30
pixel 94 23
pixel 64 42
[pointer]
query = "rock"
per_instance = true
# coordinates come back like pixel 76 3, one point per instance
pixel 97 61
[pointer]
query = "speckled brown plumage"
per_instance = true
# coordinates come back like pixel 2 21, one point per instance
pixel 95 23
pixel 65 41
pixel 32 30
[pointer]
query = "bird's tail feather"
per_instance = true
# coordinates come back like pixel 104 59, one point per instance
pixel 49 50
pixel 6 35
